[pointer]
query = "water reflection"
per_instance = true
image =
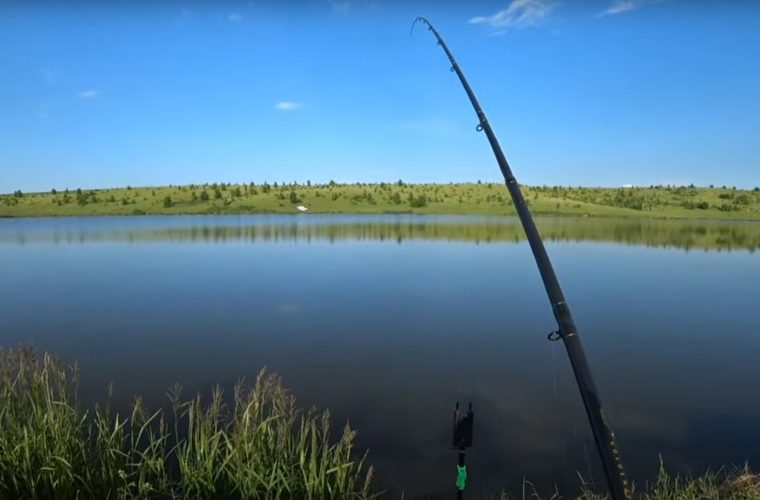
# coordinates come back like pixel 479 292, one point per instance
pixel 683 234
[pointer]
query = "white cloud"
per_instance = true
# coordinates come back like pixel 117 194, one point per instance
pixel 287 105
pixel 88 94
pixel 518 14
pixel 621 6
pixel 340 6
pixel 235 17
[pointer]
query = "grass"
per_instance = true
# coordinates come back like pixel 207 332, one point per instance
pixel 261 446
pixel 737 483
pixel 473 198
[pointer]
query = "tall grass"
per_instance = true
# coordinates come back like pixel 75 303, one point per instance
pixel 260 446
pixel 736 483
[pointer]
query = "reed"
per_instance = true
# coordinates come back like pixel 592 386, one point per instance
pixel 259 446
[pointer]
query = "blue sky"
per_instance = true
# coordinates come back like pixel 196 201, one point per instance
pixel 600 93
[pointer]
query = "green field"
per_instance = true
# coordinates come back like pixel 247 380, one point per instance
pixel 397 197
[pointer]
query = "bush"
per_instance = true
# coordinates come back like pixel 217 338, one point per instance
pixel 204 195
pixel 742 199
pixel 419 201
pixel 168 202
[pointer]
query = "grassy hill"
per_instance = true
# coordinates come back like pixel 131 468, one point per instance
pixel 475 198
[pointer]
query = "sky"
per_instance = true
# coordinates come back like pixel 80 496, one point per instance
pixel 592 93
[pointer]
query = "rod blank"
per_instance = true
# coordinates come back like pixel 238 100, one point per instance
pixel 567 331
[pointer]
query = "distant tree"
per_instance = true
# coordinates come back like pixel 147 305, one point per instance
pixel 18 194
pixel 275 185
pixel 308 183
pixel 194 196
pixel 79 191
pixel 129 188
pixel 168 202
pixel 757 189
pixel 124 201
pixel 204 195
pixel 332 183
pixel 217 194
pixel 294 197
pixel 265 188
pixel 237 192
pixel 399 182
pixel 53 192
pixel 396 198
pixel 112 199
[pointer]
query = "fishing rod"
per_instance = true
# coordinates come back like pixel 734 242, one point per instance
pixel 603 435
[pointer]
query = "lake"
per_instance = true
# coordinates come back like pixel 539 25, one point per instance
pixel 389 320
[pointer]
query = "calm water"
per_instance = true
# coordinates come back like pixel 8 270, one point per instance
pixel 388 320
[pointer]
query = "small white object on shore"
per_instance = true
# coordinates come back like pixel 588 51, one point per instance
pixel 301 208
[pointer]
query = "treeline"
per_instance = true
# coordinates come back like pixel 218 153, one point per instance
pixel 399 196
